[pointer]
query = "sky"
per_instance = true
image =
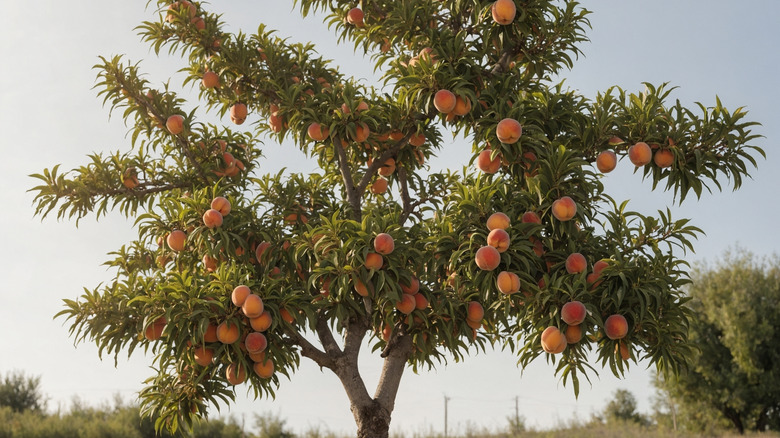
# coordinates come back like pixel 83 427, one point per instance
pixel 50 114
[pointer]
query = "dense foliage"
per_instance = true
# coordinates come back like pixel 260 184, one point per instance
pixel 309 245
pixel 736 371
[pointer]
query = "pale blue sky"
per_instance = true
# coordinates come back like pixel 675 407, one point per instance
pixel 49 114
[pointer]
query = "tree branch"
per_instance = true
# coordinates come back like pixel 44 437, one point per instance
pixel 392 371
pixel 312 352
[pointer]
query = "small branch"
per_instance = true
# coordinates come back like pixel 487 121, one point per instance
pixel 326 338
pixel 312 352
pixel 353 197
pixel 379 162
pixel 405 198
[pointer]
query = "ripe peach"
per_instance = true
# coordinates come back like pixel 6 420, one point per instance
pixel 530 217
pixel 503 11
pixel 275 121
pixel 576 263
pixel 388 168
pixel 355 17
pixel 615 141
pixel 599 266
pixel 538 247
pixel 625 354
pixel 564 209
pixel 509 131
pixel 444 101
pixel 488 258
pixel 203 356
pixel 177 6
pixel 318 132
pixel 462 106
pixel 222 205
pixel 553 341
pixel 176 240
pixel 211 333
pixel 606 161
pixel 264 368
pixel 262 322
pixel 417 140
pixel 475 312
pixel 238 113
pixel 255 342
pixel 473 324
pixel 486 164
pixel 210 263
pixel 227 332
pixel 253 306
pixel 508 282
pixel 212 218
pixel 573 334
pixel 384 244
pixel 499 239
pixel 361 288
pixel 616 327
pixel 407 304
pixel 412 288
pixel 235 374
pixel 379 186
pixel 210 80
pixel 640 154
pixel 420 301
pixel 663 158
pixel 154 330
pixel 573 313
pixel 374 261
pixel 260 250
pixel 175 124
pixel 361 132
pixel 498 220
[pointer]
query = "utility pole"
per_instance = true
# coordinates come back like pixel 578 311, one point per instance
pixel 517 413
pixel 446 401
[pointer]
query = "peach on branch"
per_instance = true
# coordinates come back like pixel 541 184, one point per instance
pixel 564 209
pixel 606 161
pixel 227 332
pixel 576 263
pixel 286 316
pixel 640 154
pixel 212 218
pixel 361 132
pixel 210 335
pixel 260 250
pixel 416 140
pixel 175 124
pixel 222 205
pixel 499 239
pixel 264 368
pixel 235 374
pixel 663 158
pixel 387 168
pixel 444 101
pixel 176 239
pixel 203 356
pixel 317 132
pixel 462 106
pixel 573 334
pixel 616 327
pixel 615 141
pixel 361 288
pixel 379 186
pixel 262 322
pixel 487 258
pixel 154 330
pixel 622 348
pixel 508 282
pixel 255 342
pixel 130 178
pixel 412 288
pixel 210 263
pixel 498 220
pixel 553 341
pixel 573 313
pixel 487 164
pixel 253 306
pixel 407 304
pixel 509 131
pixel 355 17
pixel 374 261
pixel 238 113
pixel 503 11
pixel 530 217
pixel 210 79
pixel 420 301
pixel 384 243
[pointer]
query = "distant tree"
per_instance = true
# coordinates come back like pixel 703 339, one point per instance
pixel 271 426
pixel 523 249
pixel 21 393
pixel 737 369
pixel 622 408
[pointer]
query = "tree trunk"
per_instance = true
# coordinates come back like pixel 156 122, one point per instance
pixel 735 418
pixel 373 421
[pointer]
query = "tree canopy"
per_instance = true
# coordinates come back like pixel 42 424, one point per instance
pixel 736 370
pixel 238 268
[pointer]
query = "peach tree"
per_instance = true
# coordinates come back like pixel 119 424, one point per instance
pixel 239 271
